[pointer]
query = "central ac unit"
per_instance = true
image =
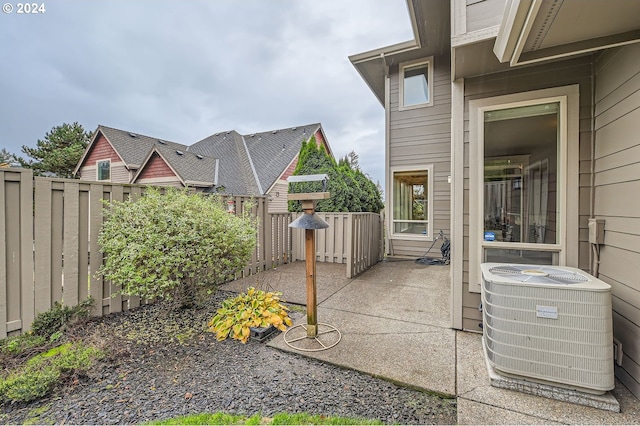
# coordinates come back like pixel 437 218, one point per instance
pixel 548 324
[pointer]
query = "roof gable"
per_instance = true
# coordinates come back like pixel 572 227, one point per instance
pixel 192 169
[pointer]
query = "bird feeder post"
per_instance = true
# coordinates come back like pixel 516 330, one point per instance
pixel 308 206
pixel 309 221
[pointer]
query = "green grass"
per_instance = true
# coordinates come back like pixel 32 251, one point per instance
pixel 278 419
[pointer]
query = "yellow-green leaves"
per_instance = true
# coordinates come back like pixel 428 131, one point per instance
pixel 173 245
pixel 255 308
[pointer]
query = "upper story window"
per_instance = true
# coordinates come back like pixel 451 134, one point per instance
pixel 103 169
pixel 416 84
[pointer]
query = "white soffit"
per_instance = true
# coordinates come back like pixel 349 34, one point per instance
pixel 539 30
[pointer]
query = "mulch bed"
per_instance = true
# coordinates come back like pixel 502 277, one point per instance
pixel 162 363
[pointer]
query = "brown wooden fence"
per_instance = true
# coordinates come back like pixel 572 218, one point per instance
pixel 49 251
pixel 355 239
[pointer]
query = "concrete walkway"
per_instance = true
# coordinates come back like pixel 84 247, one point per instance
pixel 394 320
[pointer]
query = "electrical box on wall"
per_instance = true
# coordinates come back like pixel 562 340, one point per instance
pixel 596 231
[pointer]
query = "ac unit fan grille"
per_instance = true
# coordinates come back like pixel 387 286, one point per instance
pixel 538 275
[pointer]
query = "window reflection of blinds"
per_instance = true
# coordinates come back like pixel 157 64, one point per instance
pixel 538 175
pixel 521 112
pixel 495 201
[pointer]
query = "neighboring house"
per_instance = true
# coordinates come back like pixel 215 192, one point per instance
pixel 225 162
pixel 519 119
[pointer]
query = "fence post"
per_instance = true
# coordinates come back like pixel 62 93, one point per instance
pixel 350 244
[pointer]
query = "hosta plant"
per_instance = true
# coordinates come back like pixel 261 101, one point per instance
pixel 255 308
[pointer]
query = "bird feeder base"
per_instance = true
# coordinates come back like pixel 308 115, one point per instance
pixel 298 337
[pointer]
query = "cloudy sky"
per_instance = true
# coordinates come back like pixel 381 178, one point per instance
pixel 182 70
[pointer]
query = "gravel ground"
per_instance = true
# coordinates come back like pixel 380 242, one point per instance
pixel 163 363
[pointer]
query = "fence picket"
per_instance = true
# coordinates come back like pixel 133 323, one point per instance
pixel 42 246
pixel 26 245
pixel 71 226
pixel 56 243
pixel 83 244
pixel 95 256
pixel 115 298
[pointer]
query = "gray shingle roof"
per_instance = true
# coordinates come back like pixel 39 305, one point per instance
pixel 133 148
pixel 234 173
pixel 274 150
pixel 192 168
pixel 248 164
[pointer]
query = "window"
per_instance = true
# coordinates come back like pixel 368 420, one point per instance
pixel 412 209
pixel 415 84
pixel 104 169
pixel 523 179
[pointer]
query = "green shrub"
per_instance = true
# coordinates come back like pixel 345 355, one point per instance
pixel 42 372
pixel 58 318
pixel 172 245
pixel 351 189
pixel 15 345
pixel 25 386
pixel 255 308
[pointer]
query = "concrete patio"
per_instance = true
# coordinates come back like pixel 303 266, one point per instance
pixel 394 320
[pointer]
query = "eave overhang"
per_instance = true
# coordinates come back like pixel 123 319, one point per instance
pixel 541 30
pixel 431 30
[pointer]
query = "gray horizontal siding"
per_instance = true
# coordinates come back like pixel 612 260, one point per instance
pixel 617 183
pixel 278 204
pixel 420 137
pixel 484 14
pixel 119 173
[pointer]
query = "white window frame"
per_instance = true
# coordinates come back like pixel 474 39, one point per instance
pixel 98 170
pixel 392 220
pixel 568 156
pixel 403 65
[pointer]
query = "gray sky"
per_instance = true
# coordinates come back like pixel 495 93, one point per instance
pixel 182 70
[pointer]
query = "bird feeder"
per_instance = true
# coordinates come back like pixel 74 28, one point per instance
pixel 309 221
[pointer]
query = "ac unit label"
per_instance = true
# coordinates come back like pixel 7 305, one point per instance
pixel 547 312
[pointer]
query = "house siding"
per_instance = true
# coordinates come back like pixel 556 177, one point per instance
pixel 119 173
pixel 420 137
pixel 481 14
pixel 278 197
pixel 103 150
pixel 616 183
pixel 558 74
pixel 156 167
